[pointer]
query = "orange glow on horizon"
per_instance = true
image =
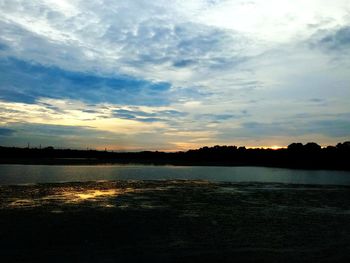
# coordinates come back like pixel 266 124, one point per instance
pixel 181 147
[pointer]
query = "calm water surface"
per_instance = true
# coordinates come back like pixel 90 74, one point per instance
pixel 26 174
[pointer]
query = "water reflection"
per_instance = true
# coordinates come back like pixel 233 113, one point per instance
pixel 187 196
pixel 23 203
pixel 119 194
pixel 24 174
pixel 95 193
pixel 91 195
pixel 66 195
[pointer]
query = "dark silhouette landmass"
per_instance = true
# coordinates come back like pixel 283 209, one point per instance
pixel 296 155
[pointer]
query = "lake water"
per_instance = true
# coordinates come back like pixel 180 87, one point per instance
pixel 27 174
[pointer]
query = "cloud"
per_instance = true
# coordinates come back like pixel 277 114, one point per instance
pixel 56 135
pixel 16 96
pixel 156 70
pixel 337 40
pixel 326 127
pixel 157 42
pixel 6 132
pixel 335 43
pixel 219 117
pixel 65 136
pixel 183 63
pixel 143 116
pixel 26 82
pixel 3 47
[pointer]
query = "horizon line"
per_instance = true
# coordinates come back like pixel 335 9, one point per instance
pixel 272 147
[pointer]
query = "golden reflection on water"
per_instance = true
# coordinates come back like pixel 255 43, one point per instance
pixel 74 196
pixel 91 194
pixel 22 203
pixel 71 195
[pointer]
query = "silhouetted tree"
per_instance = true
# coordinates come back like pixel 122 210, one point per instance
pixel 312 146
pixel 295 146
pixel 297 155
pixel 343 146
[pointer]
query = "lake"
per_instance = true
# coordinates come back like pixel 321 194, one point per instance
pixel 31 174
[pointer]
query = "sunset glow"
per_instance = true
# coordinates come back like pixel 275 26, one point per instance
pixel 174 75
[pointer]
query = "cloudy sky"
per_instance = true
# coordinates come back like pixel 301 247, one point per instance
pixel 174 75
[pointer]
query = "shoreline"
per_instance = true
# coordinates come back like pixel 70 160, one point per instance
pixel 297 156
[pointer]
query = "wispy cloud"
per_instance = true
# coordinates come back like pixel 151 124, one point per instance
pixel 336 40
pixel 178 73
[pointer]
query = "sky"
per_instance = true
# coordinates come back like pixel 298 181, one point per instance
pixel 174 75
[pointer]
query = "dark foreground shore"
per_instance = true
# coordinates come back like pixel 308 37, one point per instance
pixel 174 221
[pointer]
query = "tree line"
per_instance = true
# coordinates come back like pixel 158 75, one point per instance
pixel 296 155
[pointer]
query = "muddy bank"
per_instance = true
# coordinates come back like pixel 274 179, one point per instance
pixel 174 221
